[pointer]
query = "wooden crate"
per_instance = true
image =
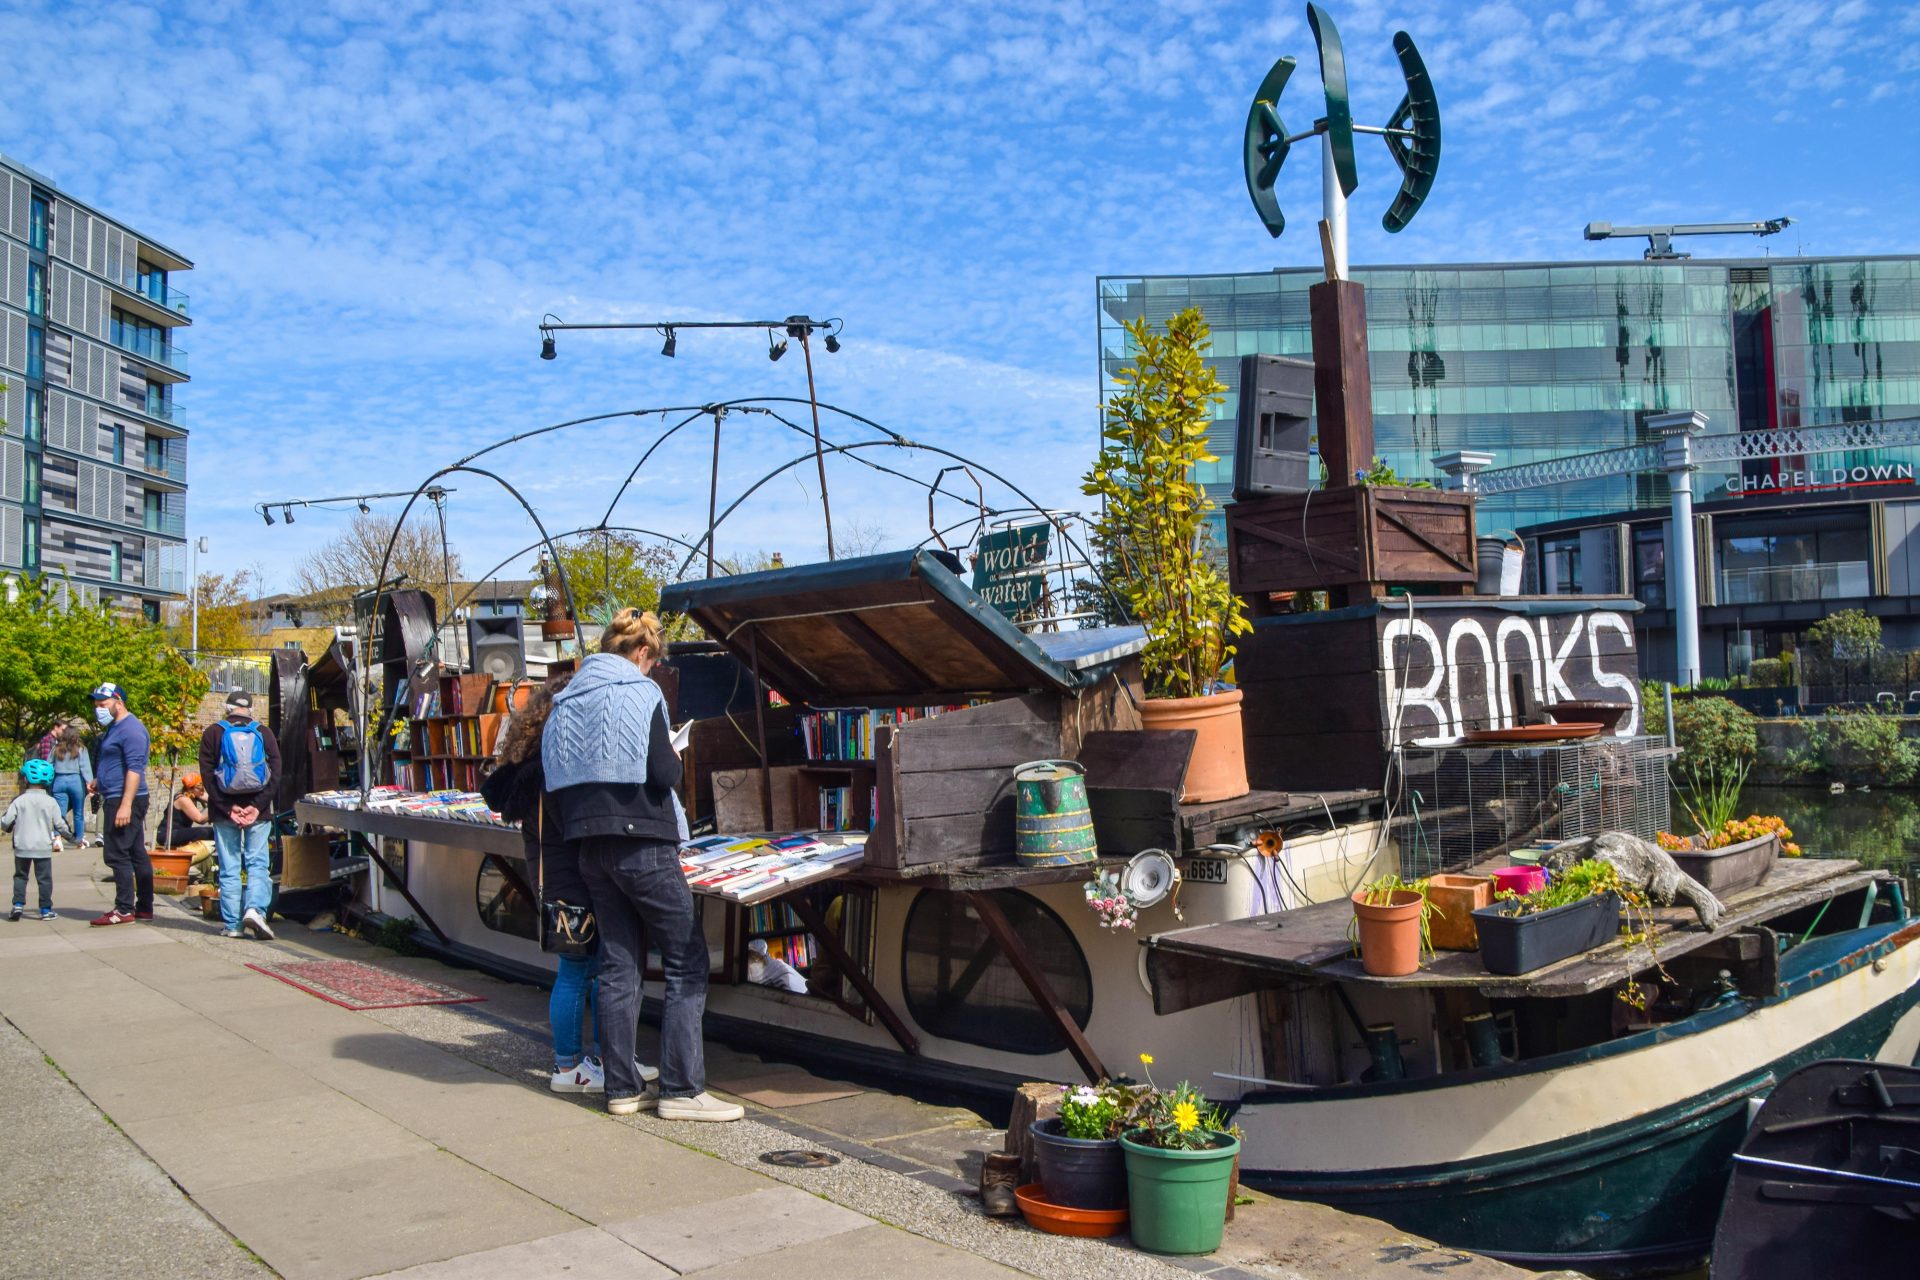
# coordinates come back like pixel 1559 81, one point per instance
pixel 1328 695
pixel 1353 537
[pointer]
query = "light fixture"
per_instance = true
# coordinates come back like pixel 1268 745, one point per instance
pixel 267 516
pixel 286 513
pixel 546 345
pixel 364 508
pixel 775 349
pixel 833 342
pixel 666 348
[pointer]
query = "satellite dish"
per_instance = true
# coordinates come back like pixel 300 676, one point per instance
pixel 1149 877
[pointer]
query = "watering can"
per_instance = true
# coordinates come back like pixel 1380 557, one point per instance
pixel 1052 826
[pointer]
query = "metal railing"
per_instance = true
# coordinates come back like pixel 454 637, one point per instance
pixel 148 348
pixel 164 296
pixel 228 671
pixel 1785 583
pixel 171 526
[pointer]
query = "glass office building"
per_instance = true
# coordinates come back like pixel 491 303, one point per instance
pixel 1535 361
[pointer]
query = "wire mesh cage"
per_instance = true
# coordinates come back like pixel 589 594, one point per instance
pixel 1461 803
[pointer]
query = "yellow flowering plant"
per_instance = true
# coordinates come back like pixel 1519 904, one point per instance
pixel 1176 1119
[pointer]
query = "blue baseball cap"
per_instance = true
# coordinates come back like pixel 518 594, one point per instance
pixel 109 690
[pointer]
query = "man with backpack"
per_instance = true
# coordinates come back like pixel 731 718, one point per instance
pixel 240 767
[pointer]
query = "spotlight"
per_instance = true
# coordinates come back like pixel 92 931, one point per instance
pixel 364 508
pixel 775 349
pixel 267 516
pixel 833 342
pixel 286 513
pixel 666 348
pixel 546 346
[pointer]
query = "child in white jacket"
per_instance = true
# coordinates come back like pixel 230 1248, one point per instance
pixel 36 822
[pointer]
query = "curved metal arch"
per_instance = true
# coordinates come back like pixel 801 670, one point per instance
pixel 561 537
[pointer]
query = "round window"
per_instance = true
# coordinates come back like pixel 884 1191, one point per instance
pixel 961 986
pixel 503 908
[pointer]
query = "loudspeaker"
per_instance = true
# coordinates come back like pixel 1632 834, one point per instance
pixel 495 647
pixel 1148 877
pixel 1270 435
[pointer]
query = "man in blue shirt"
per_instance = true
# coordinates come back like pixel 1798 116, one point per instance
pixel 120 779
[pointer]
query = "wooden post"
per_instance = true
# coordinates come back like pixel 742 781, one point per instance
pixel 817 926
pixel 1037 985
pixel 760 730
pixel 1342 382
pixel 399 882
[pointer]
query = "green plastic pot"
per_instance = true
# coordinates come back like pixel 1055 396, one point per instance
pixel 1178 1199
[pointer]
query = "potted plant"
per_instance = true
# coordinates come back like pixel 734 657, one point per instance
pixel 1153 531
pixel 1725 853
pixel 1392 925
pixel 1078 1152
pixel 1576 911
pixel 1180 1161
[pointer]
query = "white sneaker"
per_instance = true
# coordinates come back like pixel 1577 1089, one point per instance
pixel 627 1106
pixel 701 1106
pixel 584 1078
pixel 647 1074
pixel 256 924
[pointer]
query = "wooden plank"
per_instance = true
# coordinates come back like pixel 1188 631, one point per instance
pixel 1144 758
pixel 396 881
pixel 927 745
pixel 1182 981
pixel 1128 819
pixel 885 841
pixel 955 791
pixel 853 971
pixel 1037 985
pixel 960 835
pixel 1342 380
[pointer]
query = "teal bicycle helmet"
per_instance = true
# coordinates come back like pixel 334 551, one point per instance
pixel 39 773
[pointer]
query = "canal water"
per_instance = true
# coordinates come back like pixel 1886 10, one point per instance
pixel 1875 828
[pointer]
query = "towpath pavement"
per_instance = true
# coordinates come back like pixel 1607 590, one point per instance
pixel 177 1114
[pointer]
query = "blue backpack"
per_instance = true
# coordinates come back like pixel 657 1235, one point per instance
pixel 243 758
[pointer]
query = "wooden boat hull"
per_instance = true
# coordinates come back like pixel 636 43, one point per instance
pixel 1611 1160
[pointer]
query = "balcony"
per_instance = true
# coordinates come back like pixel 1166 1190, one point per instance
pixel 166 524
pixel 1786 584
pixel 165 354
pixel 173 468
pixel 164 297
pixel 159 410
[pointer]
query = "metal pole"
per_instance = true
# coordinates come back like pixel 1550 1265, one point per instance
pixel 813 401
pixel 1683 588
pixel 1333 203
pixel 199 545
pixel 439 497
pixel 713 480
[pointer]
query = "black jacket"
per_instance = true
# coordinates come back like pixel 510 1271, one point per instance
pixel 514 791
pixel 635 811
pixel 219 802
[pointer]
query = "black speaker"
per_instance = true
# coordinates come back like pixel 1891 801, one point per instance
pixel 495 647
pixel 1270 439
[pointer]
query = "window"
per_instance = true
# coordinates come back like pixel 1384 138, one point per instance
pixel 37 222
pixel 1650 567
pixel 152 510
pixel 30 542
pixel 36 289
pixel 114 571
pixel 36 351
pixel 119 446
pixel 1560 566
pixel 156 454
pixel 150 610
pixel 960 986
pixel 158 404
pixel 1776 558
pixel 143 337
pixel 153 283
pixel 36 411
pixel 503 908
pixel 30 492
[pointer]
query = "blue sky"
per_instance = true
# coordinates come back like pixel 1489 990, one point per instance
pixel 384 198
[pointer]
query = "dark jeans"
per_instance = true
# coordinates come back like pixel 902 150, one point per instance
pixel 638 889
pixel 126 854
pixel 42 868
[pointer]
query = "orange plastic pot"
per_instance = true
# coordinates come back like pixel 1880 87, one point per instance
pixel 1389 935
pixel 1059 1220
pixel 1455 899
pixel 1218 769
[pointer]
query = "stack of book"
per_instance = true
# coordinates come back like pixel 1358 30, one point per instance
pixel 848 735
pixel 750 868
pixel 448 806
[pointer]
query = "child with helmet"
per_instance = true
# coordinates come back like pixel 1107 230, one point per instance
pixel 35 820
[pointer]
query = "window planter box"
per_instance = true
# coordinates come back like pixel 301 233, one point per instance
pixel 1512 944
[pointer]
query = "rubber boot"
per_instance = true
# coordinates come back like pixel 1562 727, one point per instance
pixel 999 1175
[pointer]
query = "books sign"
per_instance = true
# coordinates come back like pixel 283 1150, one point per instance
pixel 1009 567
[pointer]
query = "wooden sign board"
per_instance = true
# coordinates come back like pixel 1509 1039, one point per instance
pixel 1328 695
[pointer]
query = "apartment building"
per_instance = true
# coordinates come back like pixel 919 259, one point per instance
pixel 93 453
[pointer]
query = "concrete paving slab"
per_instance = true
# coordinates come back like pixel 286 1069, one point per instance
pixel 880 1115
pixel 68 1180
pixel 236 988
pixel 373 1053
pixel 381 1215
pixel 117 938
pixel 82 1042
pixel 587 1254
pixel 32 945
pixel 958 1150
pixel 287 1026
pixel 464 1109
pixel 876 1251
pixel 218 1144
pixel 184 1083
pixel 718 1232
pixel 608 1172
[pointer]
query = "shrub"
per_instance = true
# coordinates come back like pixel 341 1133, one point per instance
pixel 1768 673
pixel 1847 636
pixel 12 756
pixel 1859 746
pixel 1715 736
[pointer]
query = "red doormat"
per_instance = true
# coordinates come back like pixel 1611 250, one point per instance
pixel 353 985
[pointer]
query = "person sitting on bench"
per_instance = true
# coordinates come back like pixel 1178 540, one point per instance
pixel 186 820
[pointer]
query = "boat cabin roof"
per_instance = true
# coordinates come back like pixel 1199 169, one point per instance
pixel 1189 967
pixel 886 630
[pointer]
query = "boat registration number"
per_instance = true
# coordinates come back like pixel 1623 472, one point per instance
pixel 1207 870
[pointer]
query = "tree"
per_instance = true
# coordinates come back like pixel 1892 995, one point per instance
pixel 57 653
pixel 226 621
pixel 348 562
pixel 612 571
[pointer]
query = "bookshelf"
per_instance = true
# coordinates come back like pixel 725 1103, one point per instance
pixel 451 737
pixel 839 781
pixel 849 907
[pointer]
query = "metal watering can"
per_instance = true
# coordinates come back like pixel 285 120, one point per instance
pixel 1052 825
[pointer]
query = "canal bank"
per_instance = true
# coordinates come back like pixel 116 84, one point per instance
pixel 335 1143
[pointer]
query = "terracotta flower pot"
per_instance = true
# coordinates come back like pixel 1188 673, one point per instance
pixel 1218 770
pixel 1389 935
pixel 1455 898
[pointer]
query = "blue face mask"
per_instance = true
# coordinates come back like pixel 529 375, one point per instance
pixel 104 716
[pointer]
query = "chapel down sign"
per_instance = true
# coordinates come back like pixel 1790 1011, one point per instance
pixel 1412 135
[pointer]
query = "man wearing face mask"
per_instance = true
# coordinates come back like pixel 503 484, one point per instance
pixel 120 779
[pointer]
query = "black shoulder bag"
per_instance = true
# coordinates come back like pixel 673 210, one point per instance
pixel 565 929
